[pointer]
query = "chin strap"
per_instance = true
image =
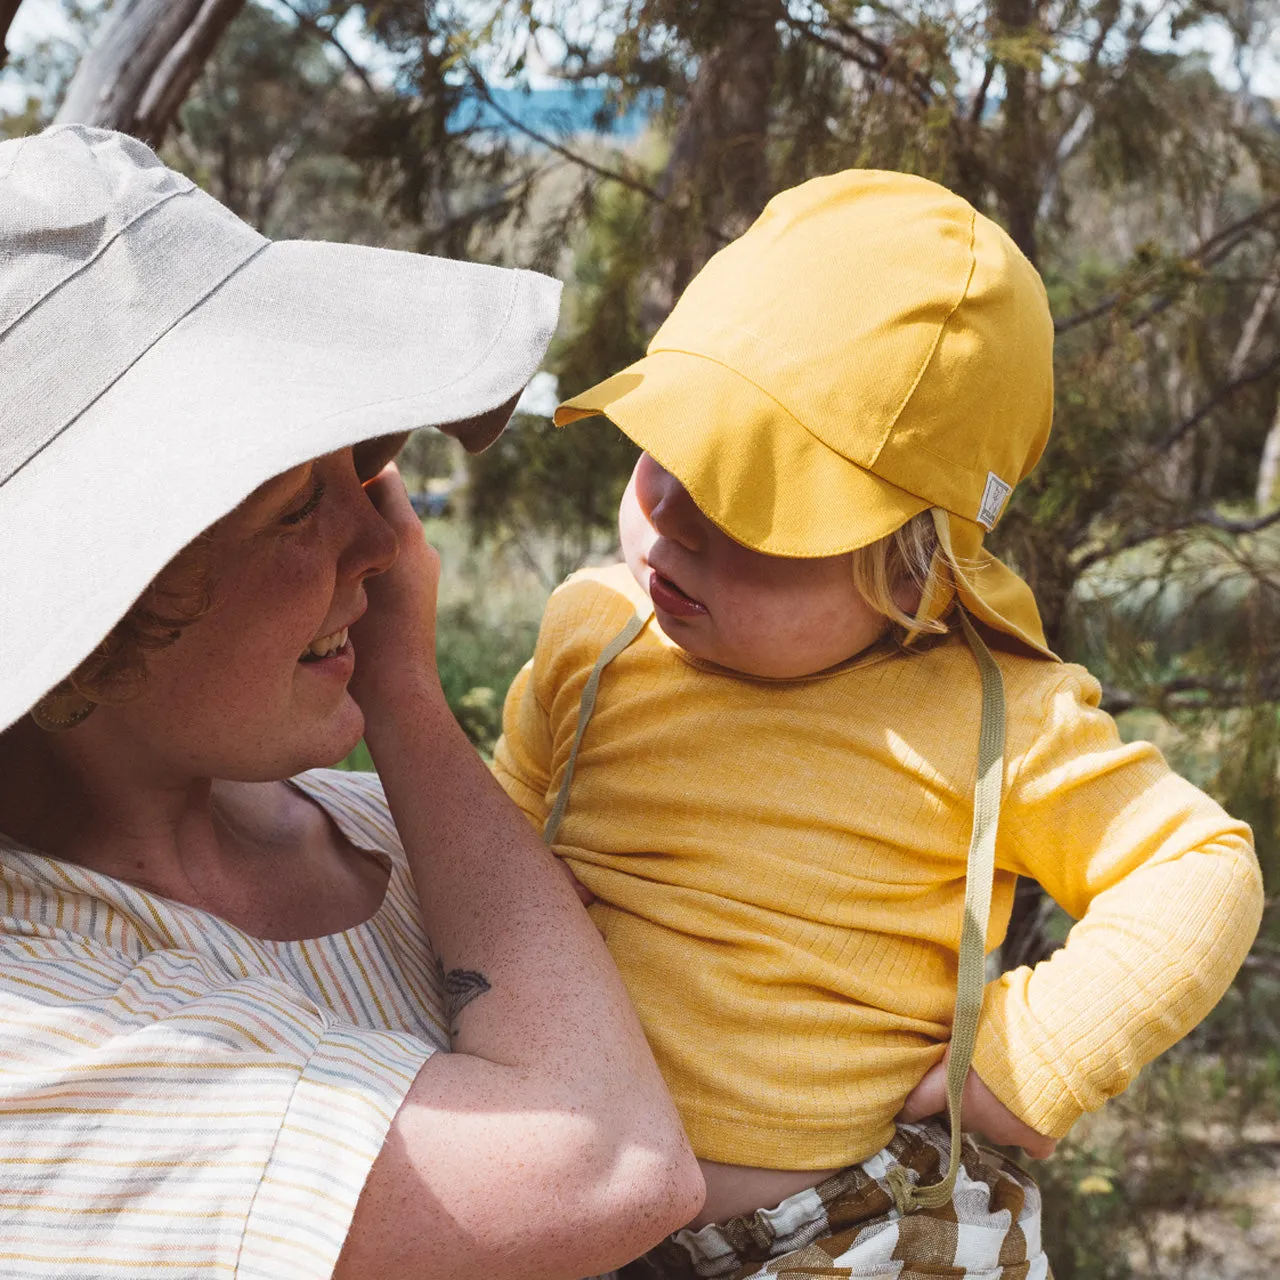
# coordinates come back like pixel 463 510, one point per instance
pixel 586 705
pixel 980 870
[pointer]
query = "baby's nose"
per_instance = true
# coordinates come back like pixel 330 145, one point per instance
pixel 667 504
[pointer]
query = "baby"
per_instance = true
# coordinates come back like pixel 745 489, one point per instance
pixel 811 713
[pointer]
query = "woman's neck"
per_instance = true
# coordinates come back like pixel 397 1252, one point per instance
pixel 260 854
pixel 84 798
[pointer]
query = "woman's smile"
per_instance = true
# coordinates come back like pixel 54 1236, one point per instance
pixel 332 656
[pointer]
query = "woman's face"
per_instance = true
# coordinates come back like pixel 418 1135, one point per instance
pixel 257 688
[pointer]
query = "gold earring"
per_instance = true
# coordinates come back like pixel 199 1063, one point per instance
pixel 63 707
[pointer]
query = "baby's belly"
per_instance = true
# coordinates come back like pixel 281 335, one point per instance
pixel 735 1191
pixel 788 1051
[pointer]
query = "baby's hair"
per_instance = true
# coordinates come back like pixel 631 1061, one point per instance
pixel 899 564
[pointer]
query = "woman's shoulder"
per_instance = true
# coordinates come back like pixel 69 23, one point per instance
pixel 356 802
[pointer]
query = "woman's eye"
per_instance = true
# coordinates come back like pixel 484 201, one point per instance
pixel 301 513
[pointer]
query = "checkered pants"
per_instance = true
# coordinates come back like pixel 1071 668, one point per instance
pixel 847 1226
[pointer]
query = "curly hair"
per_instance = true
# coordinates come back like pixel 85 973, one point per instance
pixel 178 596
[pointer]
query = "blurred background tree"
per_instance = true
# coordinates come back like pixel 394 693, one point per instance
pixel 1132 149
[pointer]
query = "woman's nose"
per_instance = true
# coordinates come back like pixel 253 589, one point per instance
pixel 372 546
pixel 667 505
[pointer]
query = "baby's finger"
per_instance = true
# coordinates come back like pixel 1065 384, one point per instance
pixel 928 1098
pixel 585 896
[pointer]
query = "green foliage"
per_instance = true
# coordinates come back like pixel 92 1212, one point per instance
pixel 1126 1191
pixel 558 489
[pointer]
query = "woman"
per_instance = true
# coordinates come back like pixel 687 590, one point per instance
pixel 218 1007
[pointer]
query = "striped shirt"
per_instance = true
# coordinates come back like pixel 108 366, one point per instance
pixel 178 1098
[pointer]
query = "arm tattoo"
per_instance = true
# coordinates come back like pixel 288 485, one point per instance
pixel 461 986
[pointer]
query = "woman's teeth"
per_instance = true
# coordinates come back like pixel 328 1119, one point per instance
pixel 326 645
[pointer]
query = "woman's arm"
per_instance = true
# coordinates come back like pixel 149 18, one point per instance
pixel 546 1145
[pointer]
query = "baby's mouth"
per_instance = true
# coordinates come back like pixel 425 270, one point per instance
pixel 325 646
pixel 671 599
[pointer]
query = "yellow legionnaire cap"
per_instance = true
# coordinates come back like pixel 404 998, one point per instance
pixel 870 348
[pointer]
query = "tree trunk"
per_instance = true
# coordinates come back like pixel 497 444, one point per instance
pixel 717 180
pixel 147 56
pixel 1021 139
pixel 1268 492
pixel 8 8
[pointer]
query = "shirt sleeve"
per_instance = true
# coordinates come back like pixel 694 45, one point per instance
pixel 1166 892
pixel 522 758
pixel 161 1117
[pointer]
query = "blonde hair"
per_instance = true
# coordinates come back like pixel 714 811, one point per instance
pixel 901 563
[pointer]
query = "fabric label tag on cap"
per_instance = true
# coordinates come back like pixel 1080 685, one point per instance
pixel 994 496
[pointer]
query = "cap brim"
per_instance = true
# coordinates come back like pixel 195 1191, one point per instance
pixel 309 348
pixel 770 484
pixel 747 463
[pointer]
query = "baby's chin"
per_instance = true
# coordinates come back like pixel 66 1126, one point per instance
pixel 690 636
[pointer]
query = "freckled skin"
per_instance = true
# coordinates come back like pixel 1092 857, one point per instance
pixel 176 789
pixel 766 615
pixel 230 699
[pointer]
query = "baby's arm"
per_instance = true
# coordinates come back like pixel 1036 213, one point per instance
pixel 1167 894
pixel 522 758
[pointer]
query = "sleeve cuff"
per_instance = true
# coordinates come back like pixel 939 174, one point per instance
pixel 337 1120
pixel 1021 1074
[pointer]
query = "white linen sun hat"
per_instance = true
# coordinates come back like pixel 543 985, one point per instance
pixel 159 360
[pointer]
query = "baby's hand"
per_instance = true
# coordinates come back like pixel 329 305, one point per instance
pixel 982 1112
pixel 584 894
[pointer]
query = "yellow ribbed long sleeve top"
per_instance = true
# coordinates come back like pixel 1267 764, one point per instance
pixel 780 874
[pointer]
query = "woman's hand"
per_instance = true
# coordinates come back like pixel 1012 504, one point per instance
pixel 981 1112
pixel 395 641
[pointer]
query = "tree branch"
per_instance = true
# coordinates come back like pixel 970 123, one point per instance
pixel 584 162
pixel 979 104
pixel 1212 250
pixel 327 34
pixel 1219 397
pixel 1189 692
pixel 877 56
pixel 8 10
pixel 601 171
pixel 1197 519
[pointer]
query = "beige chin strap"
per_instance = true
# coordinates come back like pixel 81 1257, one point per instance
pixel 587 705
pixel 979 873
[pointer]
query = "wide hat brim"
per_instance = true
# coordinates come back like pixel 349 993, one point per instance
pixel 305 349
pixel 770 484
